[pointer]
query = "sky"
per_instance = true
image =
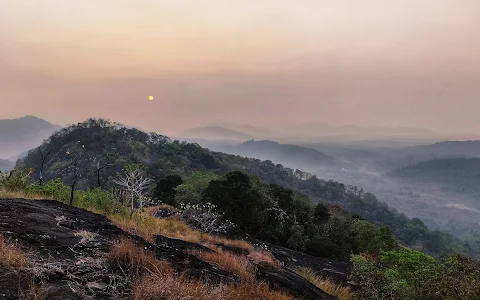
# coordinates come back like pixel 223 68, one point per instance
pixel 373 63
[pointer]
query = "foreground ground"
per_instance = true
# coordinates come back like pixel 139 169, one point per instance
pixel 71 253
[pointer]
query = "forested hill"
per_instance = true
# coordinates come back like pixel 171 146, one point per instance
pixel 456 174
pixel 97 150
pixel 293 155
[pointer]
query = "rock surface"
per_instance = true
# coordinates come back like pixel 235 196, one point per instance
pixel 286 280
pixel 68 247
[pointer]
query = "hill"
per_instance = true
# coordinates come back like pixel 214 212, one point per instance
pixel 22 134
pixel 450 148
pixel 460 175
pixel 112 146
pixel 215 133
pixel 291 155
pixel 351 132
pixel 5 165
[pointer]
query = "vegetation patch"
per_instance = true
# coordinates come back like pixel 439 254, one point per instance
pixel 11 256
pixel 337 290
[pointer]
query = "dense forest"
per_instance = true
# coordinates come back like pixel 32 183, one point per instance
pixel 92 153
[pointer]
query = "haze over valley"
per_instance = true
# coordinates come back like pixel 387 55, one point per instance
pixel 227 150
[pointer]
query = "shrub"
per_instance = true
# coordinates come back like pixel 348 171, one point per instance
pixel 54 189
pixel 15 180
pixel 409 274
pixel 97 200
pixel 204 217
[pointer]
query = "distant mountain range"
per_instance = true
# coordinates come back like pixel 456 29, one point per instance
pixel 215 133
pixel 5 165
pixel 22 134
pixel 293 156
pixel 310 132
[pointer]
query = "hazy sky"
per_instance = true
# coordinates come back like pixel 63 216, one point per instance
pixel 263 62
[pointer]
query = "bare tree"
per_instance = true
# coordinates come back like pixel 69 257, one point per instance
pixel 100 164
pixel 42 164
pixel 136 184
pixel 76 155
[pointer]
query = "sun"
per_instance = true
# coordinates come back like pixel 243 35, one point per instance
pixel 150 98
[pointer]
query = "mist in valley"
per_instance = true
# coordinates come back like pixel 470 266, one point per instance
pixel 370 168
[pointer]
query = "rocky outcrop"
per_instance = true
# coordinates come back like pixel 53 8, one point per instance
pixel 68 249
pixel 286 280
pixel 335 270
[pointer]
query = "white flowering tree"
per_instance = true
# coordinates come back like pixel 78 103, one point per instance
pixel 135 183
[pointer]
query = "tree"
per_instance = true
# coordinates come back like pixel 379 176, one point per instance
pixel 191 190
pixel 135 183
pixel 44 157
pixel 75 155
pixel 165 190
pixel 100 164
pixel 321 213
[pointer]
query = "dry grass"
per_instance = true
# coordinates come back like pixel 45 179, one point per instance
pixel 11 256
pixel 327 285
pixel 264 257
pixel 240 244
pixel 228 262
pixel 136 261
pixel 253 291
pixel 159 286
pixel 163 287
pixel 33 292
pixel 147 226
pixel 155 279
pixel 20 194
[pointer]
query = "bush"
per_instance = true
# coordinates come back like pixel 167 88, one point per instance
pixel 54 189
pixel 15 180
pixel 97 200
pixel 204 217
pixel 409 274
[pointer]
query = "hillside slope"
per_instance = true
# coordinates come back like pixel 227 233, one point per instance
pixel 113 146
pixel 292 155
pixel 460 175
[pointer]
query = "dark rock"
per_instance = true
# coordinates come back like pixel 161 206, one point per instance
pixel 337 271
pixel 285 280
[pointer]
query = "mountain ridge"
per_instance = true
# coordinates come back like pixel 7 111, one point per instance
pixel 22 134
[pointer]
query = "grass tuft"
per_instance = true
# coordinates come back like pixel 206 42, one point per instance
pixel 11 256
pixel 265 258
pixel 33 292
pixel 327 285
pixel 135 261
pixel 228 262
